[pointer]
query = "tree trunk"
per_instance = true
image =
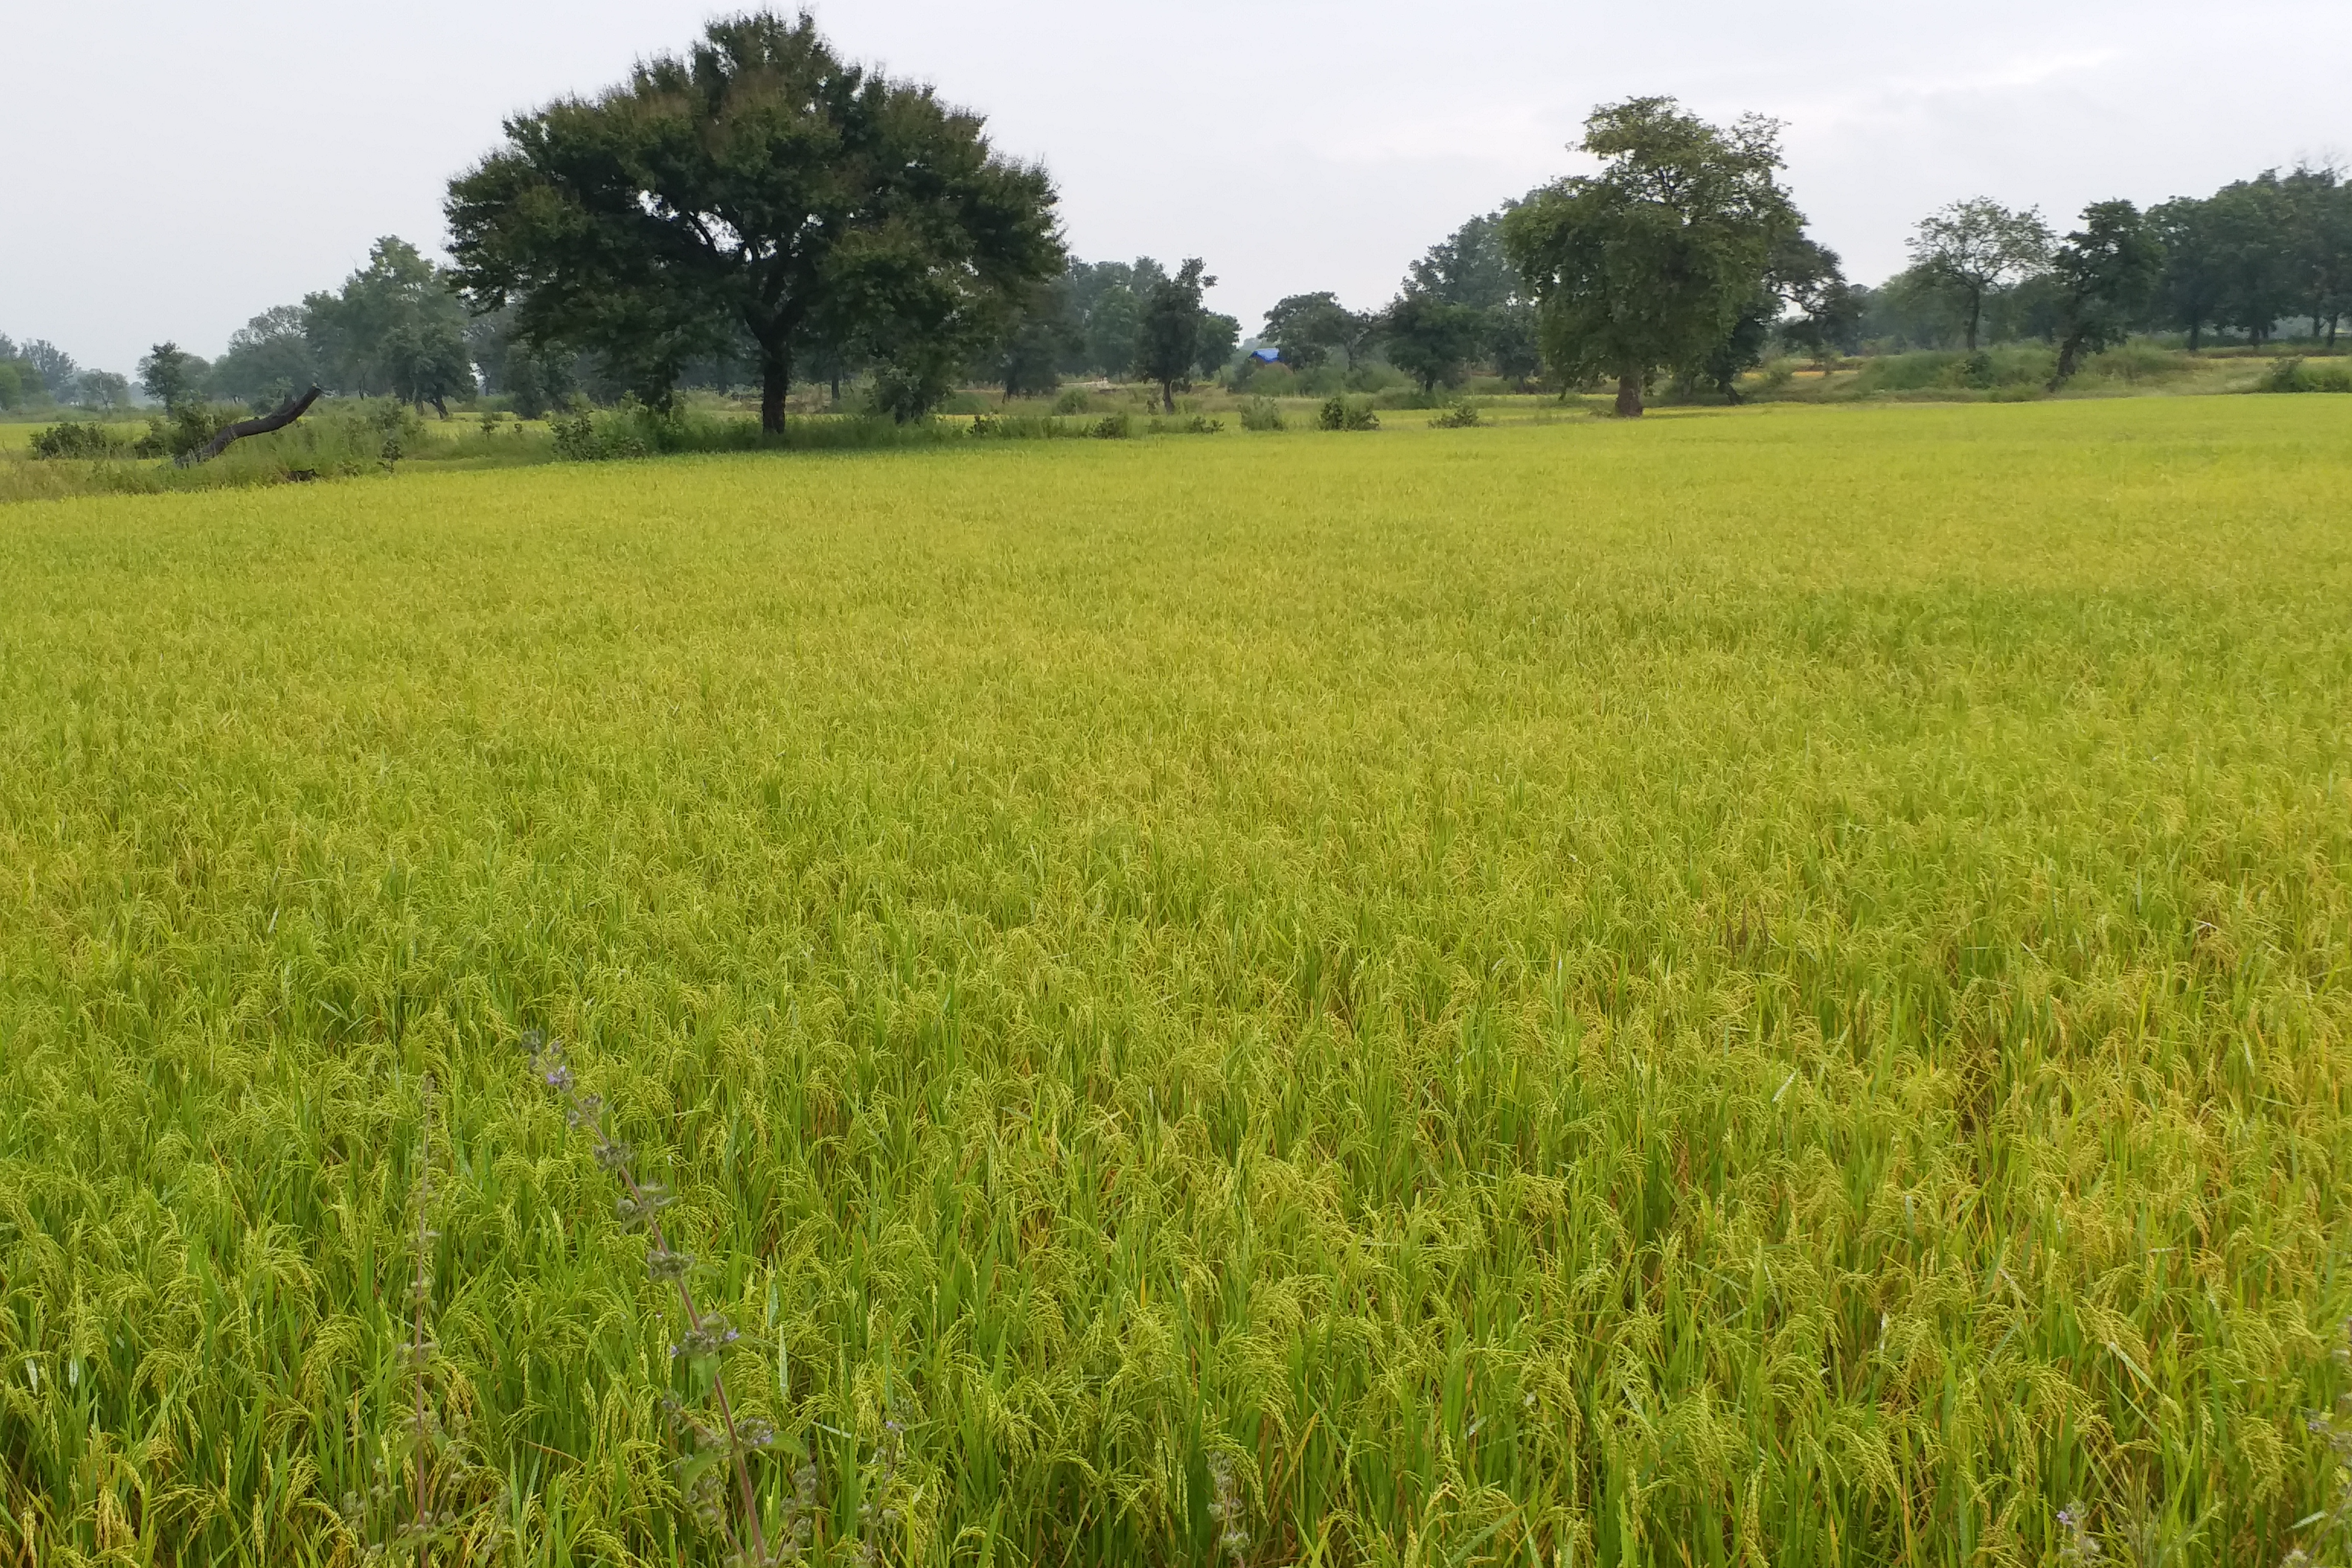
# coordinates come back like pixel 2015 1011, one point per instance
pixel 1168 397
pixel 1976 312
pixel 285 413
pixel 775 385
pixel 2069 352
pixel 2195 332
pixel 1629 394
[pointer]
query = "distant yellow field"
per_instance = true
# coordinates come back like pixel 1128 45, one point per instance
pixel 1759 986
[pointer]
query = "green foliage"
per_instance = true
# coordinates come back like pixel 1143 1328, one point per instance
pixel 1307 329
pixel 1113 427
pixel 2307 375
pixel 1431 340
pixel 2015 368
pixel 1460 415
pixel 2139 365
pixel 1340 412
pixel 183 430
pixel 1219 338
pixel 1262 413
pixel 2105 277
pixel 1766 989
pixel 395 328
pixel 1651 262
pixel 269 359
pixel 171 376
pixel 88 442
pixel 1169 336
pixel 1970 248
pixel 757 187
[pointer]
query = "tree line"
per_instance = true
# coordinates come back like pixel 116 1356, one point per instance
pixel 756 211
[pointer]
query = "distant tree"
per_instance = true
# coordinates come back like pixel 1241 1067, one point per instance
pixel 2252 231
pixel 17 386
pixel 1432 340
pixel 58 371
pixel 1469 266
pixel 1651 262
pixel 1972 248
pixel 172 375
pixel 1306 329
pixel 533 380
pixel 2320 201
pixel 2194 294
pixel 1221 336
pixel 758 183
pixel 269 359
pixel 1167 337
pixel 2107 273
pixel 104 389
pixel 396 327
pixel 1043 332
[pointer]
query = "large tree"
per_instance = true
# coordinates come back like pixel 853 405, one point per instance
pixel 2107 274
pixel 1168 338
pixel 1970 248
pixel 1651 262
pixel 757 185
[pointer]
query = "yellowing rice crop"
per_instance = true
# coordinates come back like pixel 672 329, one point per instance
pixel 1760 987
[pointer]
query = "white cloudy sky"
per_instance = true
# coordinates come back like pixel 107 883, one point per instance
pixel 176 168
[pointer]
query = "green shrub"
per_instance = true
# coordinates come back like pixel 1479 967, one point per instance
pixel 1344 413
pixel 2301 376
pixel 1073 401
pixel 2019 365
pixel 1462 416
pixel 1262 413
pixel 71 439
pixel 2139 364
pixel 1113 427
pixel 184 430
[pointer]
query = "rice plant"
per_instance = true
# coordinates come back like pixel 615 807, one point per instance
pixel 1758 986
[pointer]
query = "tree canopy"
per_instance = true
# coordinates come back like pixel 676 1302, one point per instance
pixel 1169 338
pixel 1971 248
pixel 757 187
pixel 2106 273
pixel 1651 262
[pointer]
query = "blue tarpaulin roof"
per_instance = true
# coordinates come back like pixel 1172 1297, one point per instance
pixel 1268 355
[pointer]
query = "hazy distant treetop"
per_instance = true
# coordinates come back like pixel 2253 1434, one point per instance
pixel 1469 267
pixel 170 376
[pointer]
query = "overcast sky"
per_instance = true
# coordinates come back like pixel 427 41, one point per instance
pixel 177 168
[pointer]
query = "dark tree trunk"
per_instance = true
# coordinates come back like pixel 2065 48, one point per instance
pixel 1976 315
pixel 1168 397
pixel 1629 394
pixel 775 385
pixel 2196 333
pixel 2069 353
pixel 278 418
